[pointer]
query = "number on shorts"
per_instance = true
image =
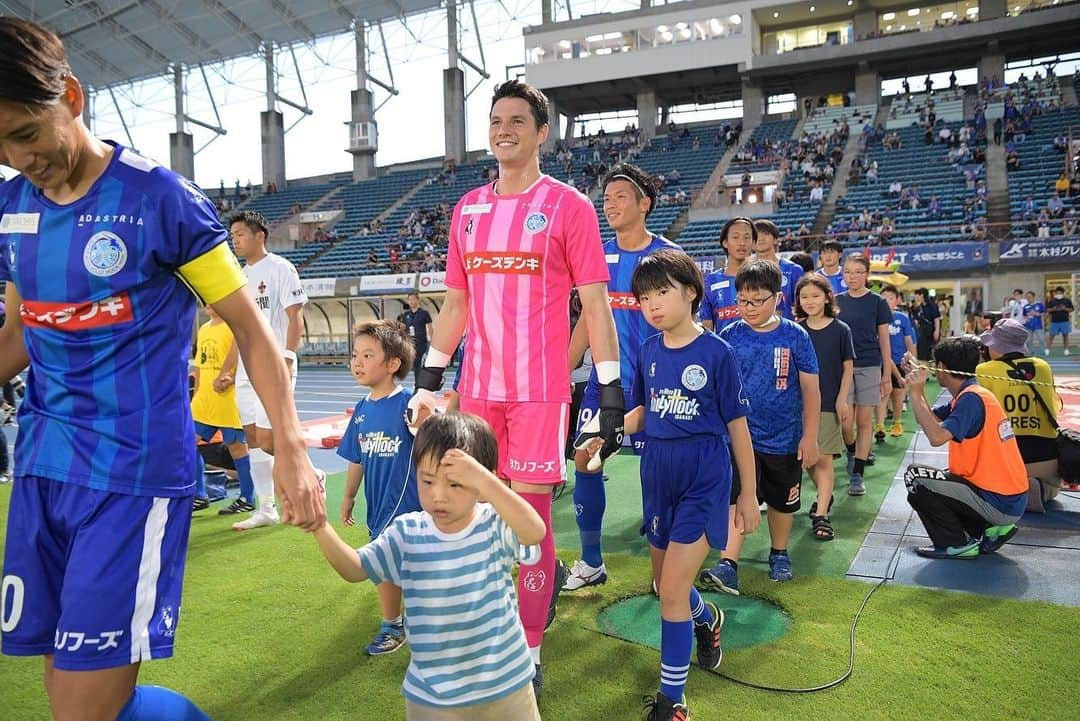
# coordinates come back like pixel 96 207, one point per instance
pixel 11 612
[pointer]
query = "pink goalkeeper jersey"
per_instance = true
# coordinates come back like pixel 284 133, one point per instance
pixel 517 257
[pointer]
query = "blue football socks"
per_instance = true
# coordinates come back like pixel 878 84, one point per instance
pixel 157 703
pixel 590 500
pixel 247 486
pixel 699 611
pixel 676 638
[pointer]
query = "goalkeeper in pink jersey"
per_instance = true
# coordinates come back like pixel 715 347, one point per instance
pixel 518 246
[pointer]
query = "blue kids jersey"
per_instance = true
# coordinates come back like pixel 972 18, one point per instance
pixel 629 320
pixel 776 406
pixel 790 273
pixel 106 285
pixel 899 329
pixel 691 391
pixel 718 305
pixel 1032 315
pixel 836 280
pixel 378 439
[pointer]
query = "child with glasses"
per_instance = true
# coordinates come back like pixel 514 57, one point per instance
pixel 780 372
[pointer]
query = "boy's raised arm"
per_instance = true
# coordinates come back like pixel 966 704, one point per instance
pixel 522 518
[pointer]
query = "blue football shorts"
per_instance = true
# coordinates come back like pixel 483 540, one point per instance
pixel 91 577
pixel 685 485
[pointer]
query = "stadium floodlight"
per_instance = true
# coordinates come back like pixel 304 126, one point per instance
pixel 972 10
pixel 813 8
pixel 948 15
pixel 913 12
pixel 850 3
pixel 776 13
pixel 735 19
pixel 661 28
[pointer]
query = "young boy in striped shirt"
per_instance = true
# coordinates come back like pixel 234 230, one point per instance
pixel 453 563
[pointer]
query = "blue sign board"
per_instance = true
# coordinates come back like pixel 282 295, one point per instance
pixel 1042 250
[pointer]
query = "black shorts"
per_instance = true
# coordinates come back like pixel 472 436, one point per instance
pixel 779 481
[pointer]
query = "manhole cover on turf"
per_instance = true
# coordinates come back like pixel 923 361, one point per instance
pixel 747 621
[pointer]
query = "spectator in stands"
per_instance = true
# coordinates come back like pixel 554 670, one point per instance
pixel 1061 185
pixel 1043 224
pixel 1010 132
pixel 980 230
pixel 1028 211
pixel 872 173
pixel 1012 159
pixel 896 188
pixel 1035 429
pixel 1069 224
pixel 1055 207
pixel 372 259
pixel 817 193
pixel 933 209
pixel 681 197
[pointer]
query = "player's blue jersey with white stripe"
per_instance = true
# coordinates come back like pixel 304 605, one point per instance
pixel 718 305
pixel 691 391
pixel 629 320
pixel 836 280
pixel 108 325
pixel 378 439
pixel 790 273
pixel 770 363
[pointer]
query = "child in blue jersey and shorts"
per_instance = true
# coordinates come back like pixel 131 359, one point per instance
pixel 378 446
pixel 780 370
pixel 687 398
pixel 902 339
pixel 453 562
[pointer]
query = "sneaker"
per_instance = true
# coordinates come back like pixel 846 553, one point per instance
pixel 561 574
pixel 897 429
pixel 995 537
pixel 966 552
pixel 201 504
pixel 856 486
pixel 871 459
pixel 5 478
pixel 780 567
pixel 258 519
pixel 237 506
pixel 721 577
pixel 538 681
pixel 389 639
pixel 662 708
pixel 655 590
pixel 709 652
pixel 583 575
pixel 879 432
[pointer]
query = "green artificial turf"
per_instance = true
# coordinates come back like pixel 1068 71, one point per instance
pixel 269 632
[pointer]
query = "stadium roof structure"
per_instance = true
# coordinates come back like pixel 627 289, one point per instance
pixel 111 42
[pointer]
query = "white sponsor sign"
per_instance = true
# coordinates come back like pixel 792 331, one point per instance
pixel 395 283
pixel 318 287
pixel 433 282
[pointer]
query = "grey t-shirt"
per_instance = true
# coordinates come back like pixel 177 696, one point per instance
pixel 833 346
pixel 863 315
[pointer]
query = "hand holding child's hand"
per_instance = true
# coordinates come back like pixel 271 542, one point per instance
pixel 463 469
pixel 347 505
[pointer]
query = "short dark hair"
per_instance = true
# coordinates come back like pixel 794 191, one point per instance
pixel 960 354
pixel 463 431
pixel 890 288
pixel 764 225
pixel 393 338
pixel 818 281
pixel 738 219
pixel 803 260
pixel 1059 289
pixel 1018 290
pixel 832 244
pixel 253 219
pixel 858 258
pixel 758 275
pixel 646 184
pixel 35 63
pixel 538 102
pixel 663 269
pixel 411 293
pixel 921 291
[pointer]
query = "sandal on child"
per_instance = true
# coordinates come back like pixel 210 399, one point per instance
pixel 821 528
